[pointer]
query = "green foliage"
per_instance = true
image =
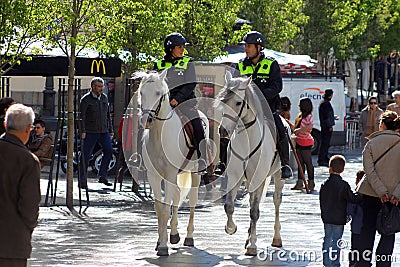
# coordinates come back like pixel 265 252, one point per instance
pixel 279 20
pixel 20 24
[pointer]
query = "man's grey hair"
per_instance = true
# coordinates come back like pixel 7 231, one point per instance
pixel 397 92
pixel 96 80
pixel 18 117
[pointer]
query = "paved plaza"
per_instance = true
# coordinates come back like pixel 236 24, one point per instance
pixel 120 229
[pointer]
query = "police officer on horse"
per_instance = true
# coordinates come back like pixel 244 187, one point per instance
pixel 265 73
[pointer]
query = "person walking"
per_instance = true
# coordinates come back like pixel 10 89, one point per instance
pixel 380 186
pixel 265 73
pixel 19 188
pixel 327 121
pixel 334 196
pixel 304 141
pixel 396 105
pixel 369 119
pixel 96 127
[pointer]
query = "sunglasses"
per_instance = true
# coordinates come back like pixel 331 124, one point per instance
pixel 373 103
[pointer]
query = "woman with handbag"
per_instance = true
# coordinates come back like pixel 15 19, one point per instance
pixel 381 184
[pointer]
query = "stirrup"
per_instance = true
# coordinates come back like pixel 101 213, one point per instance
pixel 136 162
pixel 220 169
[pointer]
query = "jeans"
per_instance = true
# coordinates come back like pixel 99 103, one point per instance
pixel 89 142
pixel 330 249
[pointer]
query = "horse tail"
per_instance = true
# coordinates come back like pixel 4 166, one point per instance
pixel 184 181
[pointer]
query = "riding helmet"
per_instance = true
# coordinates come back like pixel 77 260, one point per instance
pixel 174 39
pixel 254 37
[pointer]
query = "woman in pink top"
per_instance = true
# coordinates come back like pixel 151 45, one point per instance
pixel 304 141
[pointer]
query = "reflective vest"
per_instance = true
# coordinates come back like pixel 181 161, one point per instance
pixel 263 70
pixel 179 64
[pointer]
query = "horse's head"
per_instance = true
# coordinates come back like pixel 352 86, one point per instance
pixel 152 92
pixel 233 101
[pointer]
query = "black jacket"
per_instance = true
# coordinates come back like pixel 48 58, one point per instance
pixel 333 198
pixel 326 115
pixel 181 82
pixel 271 86
pixel 95 114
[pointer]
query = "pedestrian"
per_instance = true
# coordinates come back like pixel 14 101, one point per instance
pixel 327 121
pixel 396 105
pixel 355 212
pixel 381 185
pixel 5 103
pixel 369 119
pixel 19 188
pixel 284 110
pixel 334 195
pixel 181 80
pixel 265 73
pixel 40 142
pixel 96 127
pixel 304 141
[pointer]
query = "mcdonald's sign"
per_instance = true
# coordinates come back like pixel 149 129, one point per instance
pixel 98 64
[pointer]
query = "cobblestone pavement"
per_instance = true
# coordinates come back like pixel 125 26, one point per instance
pixel 120 229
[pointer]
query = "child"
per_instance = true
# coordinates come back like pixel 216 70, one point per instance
pixel 333 196
pixel 355 211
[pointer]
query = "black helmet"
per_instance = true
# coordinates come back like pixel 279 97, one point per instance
pixel 253 37
pixel 174 39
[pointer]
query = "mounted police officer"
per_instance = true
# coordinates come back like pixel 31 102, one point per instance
pixel 265 73
pixel 181 80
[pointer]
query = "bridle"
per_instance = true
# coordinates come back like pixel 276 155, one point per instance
pixel 153 113
pixel 245 126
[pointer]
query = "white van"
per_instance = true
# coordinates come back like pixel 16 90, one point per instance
pixel 314 88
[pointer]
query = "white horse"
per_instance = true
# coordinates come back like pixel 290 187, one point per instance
pixel 164 153
pixel 252 155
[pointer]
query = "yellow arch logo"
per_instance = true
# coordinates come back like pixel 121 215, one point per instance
pixel 98 65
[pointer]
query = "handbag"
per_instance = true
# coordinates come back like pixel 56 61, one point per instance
pixel 388 220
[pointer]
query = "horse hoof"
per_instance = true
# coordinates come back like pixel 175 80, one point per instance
pixel 251 252
pixel 174 239
pixel 230 231
pixel 189 242
pixel 276 242
pixel 162 251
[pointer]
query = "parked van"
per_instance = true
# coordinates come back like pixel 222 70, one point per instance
pixel 314 88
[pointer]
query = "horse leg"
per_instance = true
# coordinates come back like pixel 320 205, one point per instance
pixel 174 237
pixel 156 185
pixel 255 198
pixel 193 197
pixel 279 183
pixel 170 189
pixel 230 227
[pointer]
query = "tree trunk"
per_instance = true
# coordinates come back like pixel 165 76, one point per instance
pixel 70 140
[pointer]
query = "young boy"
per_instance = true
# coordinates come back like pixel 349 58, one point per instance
pixel 334 195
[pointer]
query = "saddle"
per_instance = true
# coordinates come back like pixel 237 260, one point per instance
pixel 188 130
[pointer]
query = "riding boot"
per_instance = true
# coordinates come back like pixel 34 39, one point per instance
pixel 283 150
pixel 223 151
pixel 202 167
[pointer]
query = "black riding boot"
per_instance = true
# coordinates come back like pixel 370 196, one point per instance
pixel 223 151
pixel 283 150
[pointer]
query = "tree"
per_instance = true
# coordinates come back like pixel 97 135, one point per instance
pixel 279 20
pixel 20 25
pixel 75 25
